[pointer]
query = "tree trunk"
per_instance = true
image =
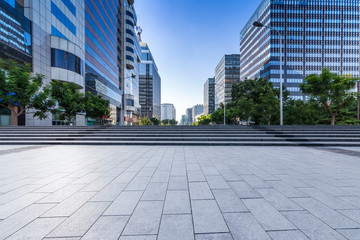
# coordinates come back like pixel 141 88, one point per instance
pixel 333 116
pixel 14 115
pixel 69 120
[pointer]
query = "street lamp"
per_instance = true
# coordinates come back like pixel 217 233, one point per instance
pixel 260 25
pixel 223 85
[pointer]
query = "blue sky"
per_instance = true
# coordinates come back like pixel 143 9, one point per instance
pixel 188 38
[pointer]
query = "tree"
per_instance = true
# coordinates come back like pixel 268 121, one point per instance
pixel 331 90
pixel 257 99
pixel 204 120
pixel 145 122
pixel 96 107
pixel 298 112
pixel 21 91
pixel 245 108
pixel 169 122
pixel 155 121
pixel 69 99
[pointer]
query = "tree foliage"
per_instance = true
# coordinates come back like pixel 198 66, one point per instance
pixel 69 99
pixel 330 90
pixel 96 107
pixel 204 120
pixel 155 121
pixel 169 122
pixel 21 91
pixel 145 122
pixel 257 100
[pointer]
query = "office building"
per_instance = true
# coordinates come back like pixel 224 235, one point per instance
pixel 15 34
pixel 197 111
pixel 102 49
pixel 209 96
pixel 15 42
pixel 131 70
pixel 91 43
pixel 227 73
pixel 168 111
pixel 189 116
pixel 183 120
pixel 58 46
pixel 150 83
pixel 315 35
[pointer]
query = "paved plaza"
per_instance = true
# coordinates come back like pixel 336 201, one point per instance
pixel 170 193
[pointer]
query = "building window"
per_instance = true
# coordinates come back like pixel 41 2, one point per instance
pixel 66 60
pixel 62 18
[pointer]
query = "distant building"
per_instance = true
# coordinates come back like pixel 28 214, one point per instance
pixel 183 120
pixel 168 111
pixel 197 110
pixel 189 116
pixel 209 96
pixel 150 84
pixel 227 73
pixel 315 35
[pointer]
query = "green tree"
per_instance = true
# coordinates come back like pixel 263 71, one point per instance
pixel 155 121
pixel 348 116
pixel 145 121
pixel 257 99
pixel 169 122
pixel 204 120
pixel 69 99
pixel 22 91
pixel 96 107
pixel 298 112
pixel 331 90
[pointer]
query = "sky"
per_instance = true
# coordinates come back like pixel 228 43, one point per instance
pixel 188 38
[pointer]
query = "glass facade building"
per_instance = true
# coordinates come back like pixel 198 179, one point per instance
pixel 227 73
pixel 15 34
pixel 189 116
pixel 209 96
pixel 196 111
pixel 168 111
pixel 150 85
pixel 57 46
pixel 102 29
pixel 132 107
pixel 315 34
pixel 15 42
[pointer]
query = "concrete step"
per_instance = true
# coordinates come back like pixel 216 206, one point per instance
pixel 189 139
pixel 187 143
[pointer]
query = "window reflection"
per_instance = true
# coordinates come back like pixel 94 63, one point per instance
pixel 66 60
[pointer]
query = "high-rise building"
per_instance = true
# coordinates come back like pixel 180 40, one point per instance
pixel 150 83
pixel 183 120
pixel 189 116
pixel 58 45
pixel 168 111
pixel 209 96
pixel 131 70
pixel 315 34
pixel 15 34
pixel 227 73
pixel 15 42
pixel 89 42
pixel 102 48
pixel 197 110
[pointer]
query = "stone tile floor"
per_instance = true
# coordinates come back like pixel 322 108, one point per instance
pixel 170 193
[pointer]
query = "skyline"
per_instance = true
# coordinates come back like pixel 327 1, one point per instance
pixel 194 24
